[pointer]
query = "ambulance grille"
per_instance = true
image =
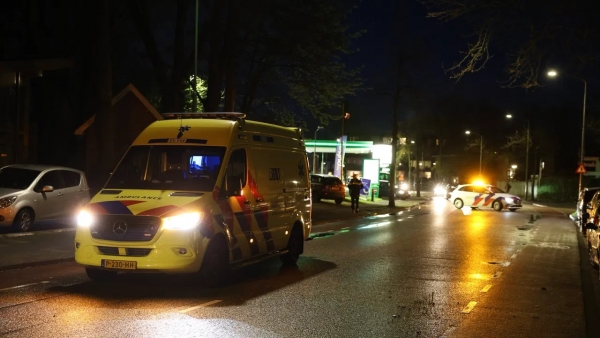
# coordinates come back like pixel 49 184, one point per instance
pixel 125 228
pixel 114 251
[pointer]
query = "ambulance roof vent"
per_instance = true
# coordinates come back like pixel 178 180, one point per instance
pixel 217 115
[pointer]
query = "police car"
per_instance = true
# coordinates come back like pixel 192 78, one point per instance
pixel 484 196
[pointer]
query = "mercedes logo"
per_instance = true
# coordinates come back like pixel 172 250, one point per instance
pixel 120 228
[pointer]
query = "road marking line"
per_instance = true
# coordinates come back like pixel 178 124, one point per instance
pixel 513 256
pixel 23 286
pixel 345 228
pixel 505 264
pixel 469 307
pixel 486 288
pixel 201 305
pixel 497 274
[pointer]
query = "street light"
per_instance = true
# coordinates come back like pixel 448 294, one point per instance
pixel 315 150
pixel 468 132
pixel 552 73
pixel 527 141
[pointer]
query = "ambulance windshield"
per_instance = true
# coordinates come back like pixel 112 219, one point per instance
pixel 188 168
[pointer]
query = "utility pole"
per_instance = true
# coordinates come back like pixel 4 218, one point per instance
pixel 194 91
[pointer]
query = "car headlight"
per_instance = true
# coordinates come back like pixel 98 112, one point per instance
pixel 84 219
pixel 7 201
pixel 509 200
pixel 439 190
pixel 182 221
pixel 404 186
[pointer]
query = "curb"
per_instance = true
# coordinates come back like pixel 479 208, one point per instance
pixel 36 264
pixel 389 212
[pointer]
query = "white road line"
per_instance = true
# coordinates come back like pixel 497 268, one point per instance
pixel 505 264
pixel 513 256
pixel 23 286
pixel 497 274
pixel 469 307
pixel 486 288
pixel 201 305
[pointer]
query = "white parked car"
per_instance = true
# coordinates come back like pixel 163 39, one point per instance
pixel 484 196
pixel 40 192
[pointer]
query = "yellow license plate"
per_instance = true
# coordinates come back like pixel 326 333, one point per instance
pixel 125 265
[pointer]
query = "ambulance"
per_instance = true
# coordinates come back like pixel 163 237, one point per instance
pixel 199 193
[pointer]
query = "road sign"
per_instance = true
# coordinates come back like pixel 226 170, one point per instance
pixel 580 169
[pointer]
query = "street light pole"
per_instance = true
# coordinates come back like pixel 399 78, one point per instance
pixel 552 73
pixel 527 142
pixel 315 150
pixel 582 129
pixel 468 132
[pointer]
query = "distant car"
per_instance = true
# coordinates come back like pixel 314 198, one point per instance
pixel 484 196
pixel 440 190
pixel 327 187
pixel 31 193
pixel 583 205
pixel 401 190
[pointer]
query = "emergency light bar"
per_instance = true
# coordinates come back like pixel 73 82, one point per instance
pixel 224 116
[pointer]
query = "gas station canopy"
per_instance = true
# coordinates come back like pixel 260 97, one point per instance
pixel 328 146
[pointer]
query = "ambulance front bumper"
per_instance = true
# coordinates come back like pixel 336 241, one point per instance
pixel 173 252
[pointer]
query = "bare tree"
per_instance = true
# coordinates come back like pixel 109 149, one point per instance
pixel 528 36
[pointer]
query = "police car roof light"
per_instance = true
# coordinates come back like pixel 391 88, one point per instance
pixel 217 115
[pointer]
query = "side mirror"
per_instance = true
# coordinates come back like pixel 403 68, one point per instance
pixel 591 226
pixel 47 188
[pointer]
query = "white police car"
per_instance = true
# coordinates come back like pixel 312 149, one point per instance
pixel 484 196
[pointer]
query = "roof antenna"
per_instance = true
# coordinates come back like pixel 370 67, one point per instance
pixel 182 128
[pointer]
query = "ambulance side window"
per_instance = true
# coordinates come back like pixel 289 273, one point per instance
pixel 235 175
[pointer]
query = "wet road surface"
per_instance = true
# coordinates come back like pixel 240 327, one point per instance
pixel 432 271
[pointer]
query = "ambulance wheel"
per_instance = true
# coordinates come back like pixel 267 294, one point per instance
pixel 497 205
pixel 99 275
pixel 215 265
pixel 295 247
pixel 458 203
pixel 339 200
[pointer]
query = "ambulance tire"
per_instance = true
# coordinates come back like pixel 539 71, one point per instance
pixel 339 200
pixel 99 275
pixel 215 265
pixel 497 205
pixel 295 246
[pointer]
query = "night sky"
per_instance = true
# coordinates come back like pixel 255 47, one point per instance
pixel 429 46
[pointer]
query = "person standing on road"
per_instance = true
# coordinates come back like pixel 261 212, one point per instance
pixel 354 186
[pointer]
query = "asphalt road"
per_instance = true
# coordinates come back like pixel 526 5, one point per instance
pixel 431 271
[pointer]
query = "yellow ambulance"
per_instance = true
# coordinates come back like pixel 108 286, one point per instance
pixel 199 192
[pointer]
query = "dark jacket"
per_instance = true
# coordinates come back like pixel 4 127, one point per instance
pixel 354 186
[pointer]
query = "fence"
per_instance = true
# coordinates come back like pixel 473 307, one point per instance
pixel 552 189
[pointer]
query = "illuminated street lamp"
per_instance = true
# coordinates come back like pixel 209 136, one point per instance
pixel 527 141
pixel 552 73
pixel 468 132
pixel 315 150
